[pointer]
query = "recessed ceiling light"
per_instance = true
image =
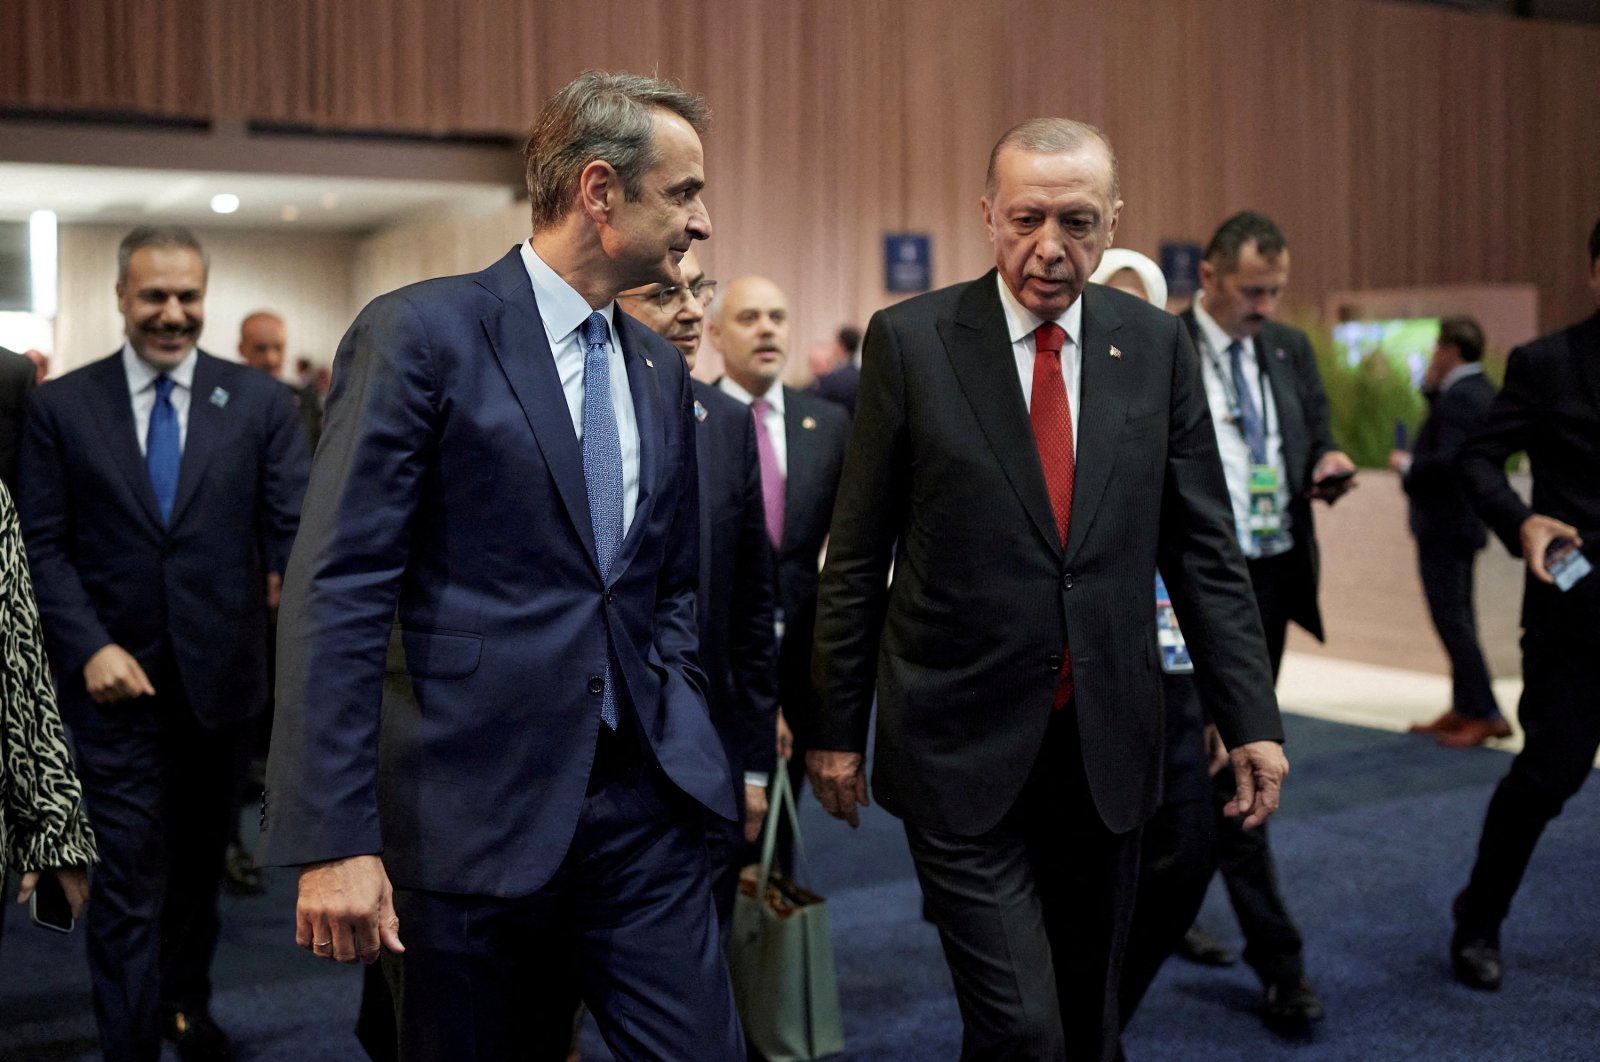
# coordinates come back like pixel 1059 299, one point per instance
pixel 225 203
pixel 290 212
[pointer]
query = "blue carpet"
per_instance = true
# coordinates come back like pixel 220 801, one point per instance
pixel 1376 838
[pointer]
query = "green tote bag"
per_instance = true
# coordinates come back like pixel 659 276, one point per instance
pixel 781 953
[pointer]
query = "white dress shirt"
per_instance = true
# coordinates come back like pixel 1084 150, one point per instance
pixel 564 311
pixel 1020 325
pixel 1235 452
pixel 142 390
pixel 773 421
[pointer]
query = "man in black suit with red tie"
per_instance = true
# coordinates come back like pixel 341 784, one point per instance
pixel 1549 408
pixel 1026 448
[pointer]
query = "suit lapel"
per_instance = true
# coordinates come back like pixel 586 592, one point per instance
pixel 1286 414
pixel 979 348
pixel 208 420
pixel 516 334
pixel 650 411
pixel 1103 402
pixel 798 484
pixel 122 439
pixel 1585 353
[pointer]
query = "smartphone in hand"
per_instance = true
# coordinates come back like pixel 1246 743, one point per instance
pixel 1565 563
pixel 48 906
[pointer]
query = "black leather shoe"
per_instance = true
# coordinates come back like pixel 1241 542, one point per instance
pixel 1290 1005
pixel 1475 958
pixel 197 1037
pixel 1199 946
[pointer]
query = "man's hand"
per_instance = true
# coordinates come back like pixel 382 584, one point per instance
pixel 274 589
pixel 1400 461
pixel 346 910
pixel 785 739
pixel 74 882
pixel 1537 534
pixel 1333 463
pixel 112 674
pixel 755 810
pixel 1259 769
pixel 839 782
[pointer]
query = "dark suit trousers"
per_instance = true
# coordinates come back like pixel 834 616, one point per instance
pixel 1272 942
pixel 1033 915
pixel 1446 571
pixel 1560 717
pixel 158 788
pixel 626 924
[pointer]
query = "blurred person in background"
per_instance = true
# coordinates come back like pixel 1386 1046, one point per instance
pixel 43 828
pixel 843 376
pixel 1448 532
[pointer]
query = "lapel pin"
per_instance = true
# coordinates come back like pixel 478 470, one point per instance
pixel 699 410
pixel 809 424
pixel 1115 353
pixel 219 397
pixel 1281 355
pixel 650 363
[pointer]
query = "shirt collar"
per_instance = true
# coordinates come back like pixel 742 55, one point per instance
pixel 774 395
pixel 1021 321
pixel 1215 337
pixel 142 375
pixel 1459 373
pixel 561 307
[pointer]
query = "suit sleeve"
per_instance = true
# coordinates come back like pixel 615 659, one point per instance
pixel 677 636
pixel 868 512
pixel 73 630
pixel 1507 429
pixel 342 586
pixel 753 641
pixel 1199 558
pixel 1454 419
pixel 285 467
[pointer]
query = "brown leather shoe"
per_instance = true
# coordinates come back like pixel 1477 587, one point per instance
pixel 1473 732
pixel 1445 724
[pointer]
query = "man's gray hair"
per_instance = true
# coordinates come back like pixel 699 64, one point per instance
pixel 600 116
pixel 159 236
pixel 1050 136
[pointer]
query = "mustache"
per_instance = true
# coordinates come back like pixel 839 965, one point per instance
pixel 169 331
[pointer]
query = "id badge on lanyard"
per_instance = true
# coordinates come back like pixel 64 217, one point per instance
pixel 1265 520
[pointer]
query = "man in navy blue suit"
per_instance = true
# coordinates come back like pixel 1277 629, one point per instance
pixel 491 731
pixel 738 588
pixel 161 488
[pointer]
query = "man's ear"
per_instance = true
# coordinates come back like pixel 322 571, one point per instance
pixel 599 190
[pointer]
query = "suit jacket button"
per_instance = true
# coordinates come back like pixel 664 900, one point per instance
pixel 610 596
pixel 596 684
pixel 1054 662
pixel 1066 580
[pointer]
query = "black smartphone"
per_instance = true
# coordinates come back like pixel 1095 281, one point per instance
pixel 48 906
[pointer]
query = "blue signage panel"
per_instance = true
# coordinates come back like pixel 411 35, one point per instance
pixel 1180 264
pixel 907 262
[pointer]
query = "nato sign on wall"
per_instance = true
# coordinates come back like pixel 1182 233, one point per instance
pixel 907 262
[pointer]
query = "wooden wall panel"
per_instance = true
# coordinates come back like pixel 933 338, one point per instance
pixel 1398 145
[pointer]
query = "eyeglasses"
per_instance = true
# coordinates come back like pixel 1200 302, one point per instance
pixel 667 298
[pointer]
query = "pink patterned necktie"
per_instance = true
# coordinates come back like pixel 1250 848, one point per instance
pixel 772 478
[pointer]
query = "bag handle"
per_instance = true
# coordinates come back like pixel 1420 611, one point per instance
pixel 782 800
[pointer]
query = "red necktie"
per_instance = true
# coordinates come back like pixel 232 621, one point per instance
pixel 1052 433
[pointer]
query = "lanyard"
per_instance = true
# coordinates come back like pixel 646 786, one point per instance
pixel 1225 377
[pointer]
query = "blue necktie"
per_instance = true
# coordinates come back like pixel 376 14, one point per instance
pixel 1255 432
pixel 602 471
pixel 161 450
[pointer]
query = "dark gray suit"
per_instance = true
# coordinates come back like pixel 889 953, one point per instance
pixel 943 479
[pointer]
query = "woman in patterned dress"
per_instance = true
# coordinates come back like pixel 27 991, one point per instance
pixel 42 823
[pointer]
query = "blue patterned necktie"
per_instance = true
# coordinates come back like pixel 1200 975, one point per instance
pixel 602 471
pixel 161 450
pixel 1255 433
